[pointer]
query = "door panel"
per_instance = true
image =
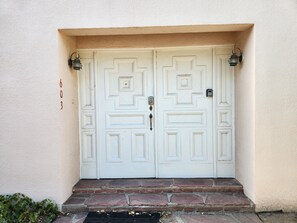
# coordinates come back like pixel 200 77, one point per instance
pixel 126 144
pixel 184 136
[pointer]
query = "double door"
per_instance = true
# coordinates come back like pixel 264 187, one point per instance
pixel 154 117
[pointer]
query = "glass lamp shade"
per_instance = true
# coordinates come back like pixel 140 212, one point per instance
pixel 76 64
pixel 233 60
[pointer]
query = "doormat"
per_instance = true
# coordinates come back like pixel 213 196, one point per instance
pixel 122 217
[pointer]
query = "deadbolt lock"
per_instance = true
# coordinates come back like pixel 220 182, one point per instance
pixel 151 100
pixel 209 92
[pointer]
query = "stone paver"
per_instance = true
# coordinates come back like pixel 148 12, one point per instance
pixel 75 201
pixel 226 182
pixel 226 199
pixel 92 184
pixel 156 182
pixel 218 218
pixel 124 183
pixel 148 200
pixel 72 218
pixel 193 182
pixel 246 217
pixel 107 200
pixel 186 199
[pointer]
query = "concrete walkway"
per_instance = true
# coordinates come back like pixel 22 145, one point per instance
pixel 207 218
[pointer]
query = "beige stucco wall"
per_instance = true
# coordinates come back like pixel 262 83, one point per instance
pixel 69 154
pixel 38 142
pixel 39 151
pixel 276 108
pixel 245 113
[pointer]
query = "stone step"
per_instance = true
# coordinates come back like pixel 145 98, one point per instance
pixel 157 186
pixel 187 202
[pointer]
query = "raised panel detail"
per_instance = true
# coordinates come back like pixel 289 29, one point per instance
pixel 123 120
pixel 113 147
pixel 225 145
pixel 88 120
pixel 119 83
pixel 86 81
pixel 126 84
pixel 185 118
pixel 184 80
pixel 88 146
pixel 198 146
pixel 224 107
pixel 172 146
pixel 139 147
pixel 88 170
pixel 224 82
pixel 224 118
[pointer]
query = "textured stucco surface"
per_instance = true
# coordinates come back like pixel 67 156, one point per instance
pixel 38 142
pixel 245 113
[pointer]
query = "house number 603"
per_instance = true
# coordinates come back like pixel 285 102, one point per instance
pixel 61 94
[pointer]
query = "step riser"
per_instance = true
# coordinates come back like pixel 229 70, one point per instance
pixel 157 186
pixel 157 190
pixel 75 209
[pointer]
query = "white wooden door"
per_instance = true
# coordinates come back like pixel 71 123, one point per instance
pixel 184 113
pixel 126 145
pixel 192 134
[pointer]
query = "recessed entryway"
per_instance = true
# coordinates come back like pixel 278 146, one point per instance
pixel 147 113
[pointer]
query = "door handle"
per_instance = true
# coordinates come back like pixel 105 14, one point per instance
pixel 151 121
pixel 151 102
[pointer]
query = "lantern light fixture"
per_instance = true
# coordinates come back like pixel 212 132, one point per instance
pixel 75 63
pixel 235 58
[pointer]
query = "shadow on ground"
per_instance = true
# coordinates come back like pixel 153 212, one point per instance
pixel 278 217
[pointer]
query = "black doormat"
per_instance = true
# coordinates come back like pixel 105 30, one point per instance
pixel 122 217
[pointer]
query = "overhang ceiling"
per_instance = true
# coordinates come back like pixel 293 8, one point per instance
pixel 154 30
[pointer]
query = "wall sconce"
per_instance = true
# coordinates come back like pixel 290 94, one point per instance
pixel 75 63
pixel 234 59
